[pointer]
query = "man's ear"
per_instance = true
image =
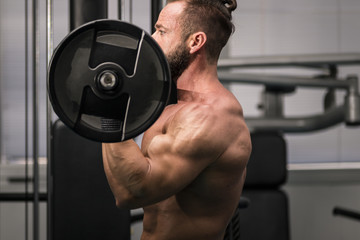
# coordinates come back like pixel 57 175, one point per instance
pixel 197 41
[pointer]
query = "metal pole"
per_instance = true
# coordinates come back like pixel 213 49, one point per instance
pixel 284 80
pixel 20 197
pixel 1 156
pixel 121 6
pixel 301 124
pixel 156 6
pixel 35 65
pixel 304 60
pixel 26 121
pixel 130 11
pixel 347 213
pixel 49 50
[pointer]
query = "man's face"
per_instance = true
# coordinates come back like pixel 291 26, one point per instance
pixel 168 36
pixel 179 60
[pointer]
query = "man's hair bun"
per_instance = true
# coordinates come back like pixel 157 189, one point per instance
pixel 229 4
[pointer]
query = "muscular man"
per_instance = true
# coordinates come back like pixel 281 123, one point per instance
pixel 190 170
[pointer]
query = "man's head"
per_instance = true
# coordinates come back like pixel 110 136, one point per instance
pixel 213 17
pixel 186 26
pixel 168 36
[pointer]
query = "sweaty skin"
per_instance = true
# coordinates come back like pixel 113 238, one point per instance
pixel 189 172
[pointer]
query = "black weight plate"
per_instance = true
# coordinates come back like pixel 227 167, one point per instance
pixel 132 105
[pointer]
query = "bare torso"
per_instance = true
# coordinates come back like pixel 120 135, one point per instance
pixel 202 209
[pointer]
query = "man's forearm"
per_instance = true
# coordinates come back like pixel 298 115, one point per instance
pixel 125 167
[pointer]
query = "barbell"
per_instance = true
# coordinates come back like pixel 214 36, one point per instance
pixel 109 81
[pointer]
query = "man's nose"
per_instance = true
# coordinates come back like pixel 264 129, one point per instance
pixel 154 36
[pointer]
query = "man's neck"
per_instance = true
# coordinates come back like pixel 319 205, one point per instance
pixel 196 80
pixel 190 96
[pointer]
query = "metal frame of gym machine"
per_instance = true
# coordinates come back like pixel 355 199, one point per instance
pixel 278 85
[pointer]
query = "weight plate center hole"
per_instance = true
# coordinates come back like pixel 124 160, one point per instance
pixel 108 80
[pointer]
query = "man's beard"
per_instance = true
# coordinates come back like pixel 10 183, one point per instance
pixel 179 60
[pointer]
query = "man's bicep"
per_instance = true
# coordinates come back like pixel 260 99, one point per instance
pixel 170 170
pixel 190 144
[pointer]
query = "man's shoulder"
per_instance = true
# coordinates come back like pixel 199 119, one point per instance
pixel 206 123
pixel 194 108
pixel 217 106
